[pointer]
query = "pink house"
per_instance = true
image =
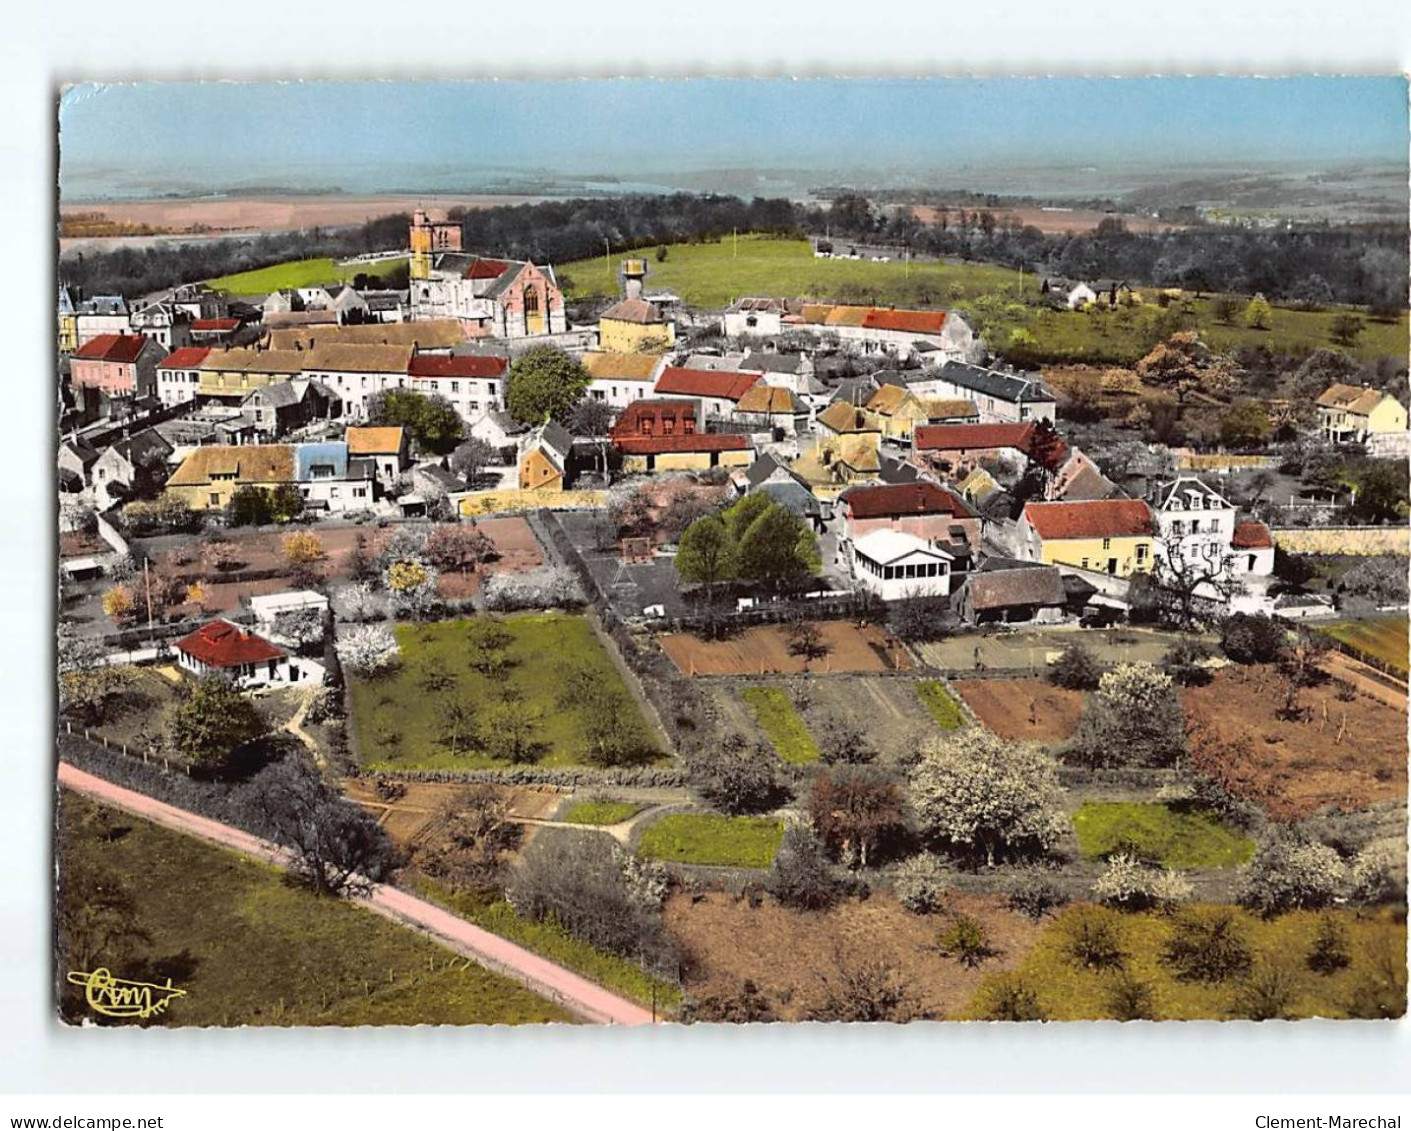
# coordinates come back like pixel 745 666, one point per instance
pixel 121 365
pixel 923 509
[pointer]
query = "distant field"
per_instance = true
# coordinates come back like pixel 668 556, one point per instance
pixel 299 273
pixel 715 275
pixel 251 949
pixel 1382 638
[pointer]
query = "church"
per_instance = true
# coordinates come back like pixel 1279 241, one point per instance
pixel 491 298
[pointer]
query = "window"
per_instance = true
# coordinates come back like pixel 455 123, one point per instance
pixel 531 301
pixel 598 394
pixel 359 492
pixel 1141 552
pixel 493 390
pixel 1085 563
pixel 455 386
pixel 215 498
pixel 1107 543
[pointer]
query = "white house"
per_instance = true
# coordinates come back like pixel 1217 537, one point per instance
pixel 221 647
pixel 1000 396
pixel 895 565
pixel 756 318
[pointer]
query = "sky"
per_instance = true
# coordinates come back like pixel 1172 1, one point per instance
pixel 371 136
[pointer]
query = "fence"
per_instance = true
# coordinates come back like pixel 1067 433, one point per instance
pixel 144 756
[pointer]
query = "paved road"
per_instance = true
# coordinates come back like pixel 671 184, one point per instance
pixel 585 999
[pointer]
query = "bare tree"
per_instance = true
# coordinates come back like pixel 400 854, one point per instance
pixel 1185 573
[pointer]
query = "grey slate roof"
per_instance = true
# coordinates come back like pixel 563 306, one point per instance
pixel 796 497
pixel 992 383
pixel 775 362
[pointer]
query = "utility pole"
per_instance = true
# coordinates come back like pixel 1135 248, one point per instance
pixel 607 256
pixel 147 584
pixel 735 243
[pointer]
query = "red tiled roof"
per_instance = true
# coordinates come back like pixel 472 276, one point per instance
pixel 224 645
pixel 1251 536
pixel 651 410
pixel 705 382
pixel 971 437
pixel 465 365
pixel 188 357
pixel 1105 518
pixel 694 442
pixel 486 269
pixel 113 347
pixel 905 498
pixel 909 321
pixel 215 323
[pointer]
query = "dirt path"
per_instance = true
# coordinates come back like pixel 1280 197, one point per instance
pixel 620 832
pixel 582 997
pixel 1366 679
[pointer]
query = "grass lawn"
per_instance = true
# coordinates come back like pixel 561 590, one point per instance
pixel 298 273
pixel 715 275
pixel 945 710
pixel 705 838
pixel 249 948
pixel 548 939
pixel 1381 638
pixel 139 716
pixel 1177 838
pixel 600 812
pixel 400 721
pixel 1373 984
pixel 781 723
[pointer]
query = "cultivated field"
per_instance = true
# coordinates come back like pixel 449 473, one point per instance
pixel 411 817
pixel 1032 710
pixel 1037 647
pixel 299 273
pixel 1343 754
pixel 764 650
pixel 1380 639
pixel 792 956
pixel 251 949
pixel 403 721
pixel 1050 221
pixel 1372 984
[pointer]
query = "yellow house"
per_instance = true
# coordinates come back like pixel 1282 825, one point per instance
pixel 634 325
pixel 1351 414
pixel 898 411
pixel 233 373
pixel 210 475
pixel 1115 536
pixel 544 459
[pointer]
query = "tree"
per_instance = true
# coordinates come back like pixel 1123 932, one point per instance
pixel 842 740
pixel 1291 872
pixel 285 503
pixel 801 876
pixel 302 548
pixel 1249 639
pixel 1183 573
pixel 303 626
pixel 360 567
pixel 88 691
pixel 96 913
pixel 927 617
pixel 459 546
pixel 1345 329
pixel 471 458
pixel 922 884
pixel 512 732
pixel 412 585
pixel 856 810
pixel 431 419
pixel 1134 718
pixel 544 383
pixel 777 548
pixel 1226 307
pixel 1186 364
pixel 980 793
pixel 249 506
pixel 1381 491
pixel 1076 669
pixel 477 830
pixel 367 650
pixel 594 418
pixel 119 605
pixel 867 990
pixel 1047 449
pixel 706 554
pixel 1258 314
pixel 805 639
pixel 337 845
pixel 213 723
pixel 1312 291
pixel 734 777
pixel 1245 425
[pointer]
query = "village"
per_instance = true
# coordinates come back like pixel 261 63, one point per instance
pixel 791 659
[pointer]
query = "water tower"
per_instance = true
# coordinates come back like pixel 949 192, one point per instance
pixel 633 272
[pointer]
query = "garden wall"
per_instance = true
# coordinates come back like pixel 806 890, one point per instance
pixel 1367 541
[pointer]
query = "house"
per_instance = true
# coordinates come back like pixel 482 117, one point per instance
pixel 210 475
pixel 1007 591
pixel 621 378
pixel 898 411
pixel 99 316
pixel 896 566
pixel 76 459
pixel 545 458
pixel 387 306
pixel 165 323
pixel 1078 480
pixel 1111 292
pixel 772 407
pixel 760 317
pixel 719 391
pixel 634 325
pixel 494 298
pixel 131 466
pixel 1113 536
pixel 498 429
pixel 228 374
pixel 119 365
pixel 221 647
pixel 978 486
pixel 197 301
pixel 799 500
pixel 440 336
pixel 951 410
pixel 179 374
pixel 927 510
pixel 268 606
pixel 1353 414
pixel 1253 548
pixel 999 396
pixel 387 447
pixel 665 435
pixel 278 409
pixel 473 383
pixel 348 305
pixel 213 331
pixel 945 335
pixel 331 479
pixel 955 450
pixel 790 370
pixel 1068 293
pixel 281 302
pixel 1194 522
